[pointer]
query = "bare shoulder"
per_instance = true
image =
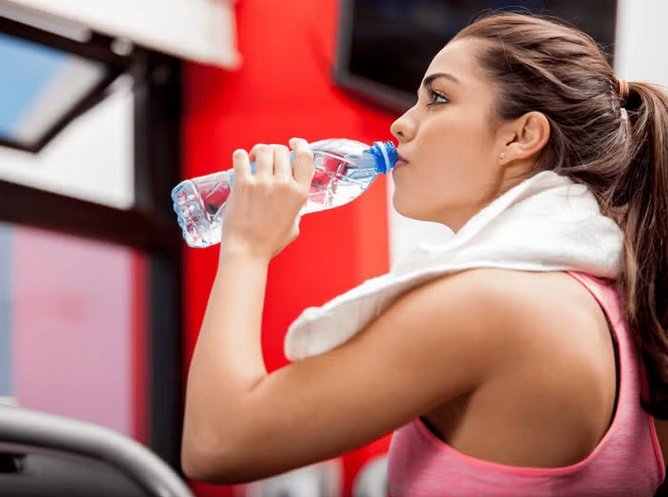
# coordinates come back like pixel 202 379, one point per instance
pixel 480 306
pixel 517 302
pixel 537 299
pixel 529 317
pixel 502 317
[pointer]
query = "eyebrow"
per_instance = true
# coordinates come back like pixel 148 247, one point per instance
pixel 426 83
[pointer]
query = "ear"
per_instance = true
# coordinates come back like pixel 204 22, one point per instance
pixel 524 137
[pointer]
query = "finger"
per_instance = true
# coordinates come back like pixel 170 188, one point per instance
pixel 295 226
pixel 303 161
pixel 263 156
pixel 241 164
pixel 282 165
pixel 298 220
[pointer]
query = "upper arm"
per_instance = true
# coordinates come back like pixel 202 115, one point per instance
pixel 437 342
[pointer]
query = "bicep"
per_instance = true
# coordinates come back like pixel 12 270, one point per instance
pixel 432 345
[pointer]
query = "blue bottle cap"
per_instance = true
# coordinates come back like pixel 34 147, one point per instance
pixel 385 154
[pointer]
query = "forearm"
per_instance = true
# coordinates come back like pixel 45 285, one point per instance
pixel 221 399
pixel 227 362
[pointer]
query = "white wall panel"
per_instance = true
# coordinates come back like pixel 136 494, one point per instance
pixel 200 30
pixel 642 39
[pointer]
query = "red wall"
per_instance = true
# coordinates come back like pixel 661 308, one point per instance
pixel 283 89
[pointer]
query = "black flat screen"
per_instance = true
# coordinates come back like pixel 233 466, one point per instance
pixel 384 46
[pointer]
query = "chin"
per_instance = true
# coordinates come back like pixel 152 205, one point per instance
pixel 417 214
pixel 400 208
pixel 407 211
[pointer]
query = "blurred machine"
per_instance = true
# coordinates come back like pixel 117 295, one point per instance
pixel 43 455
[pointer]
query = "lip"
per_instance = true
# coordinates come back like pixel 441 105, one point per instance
pixel 401 161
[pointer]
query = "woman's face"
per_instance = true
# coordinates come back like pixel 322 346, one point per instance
pixel 449 142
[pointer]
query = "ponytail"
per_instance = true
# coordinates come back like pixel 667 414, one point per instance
pixel 641 193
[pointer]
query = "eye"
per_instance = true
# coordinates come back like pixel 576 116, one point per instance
pixel 436 98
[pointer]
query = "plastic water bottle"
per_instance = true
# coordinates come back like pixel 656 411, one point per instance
pixel 343 170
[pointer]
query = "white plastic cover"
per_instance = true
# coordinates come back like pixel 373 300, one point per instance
pixel 198 30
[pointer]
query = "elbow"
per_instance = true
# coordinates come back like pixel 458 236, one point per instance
pixel 213 464
pixel 195 465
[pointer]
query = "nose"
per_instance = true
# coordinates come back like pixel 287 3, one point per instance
pixel 403 129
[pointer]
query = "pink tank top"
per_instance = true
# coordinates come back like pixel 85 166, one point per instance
pixel 627 462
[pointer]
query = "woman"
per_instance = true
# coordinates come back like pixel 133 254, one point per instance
pixel 497 381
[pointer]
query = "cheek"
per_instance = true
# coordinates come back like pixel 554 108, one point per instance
pixel 458 150
pixel 456 166
pixel 453 169
pixel 468 137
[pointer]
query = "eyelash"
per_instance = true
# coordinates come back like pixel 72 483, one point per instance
pixel 433 95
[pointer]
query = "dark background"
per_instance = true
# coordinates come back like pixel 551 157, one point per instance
pixel 385 45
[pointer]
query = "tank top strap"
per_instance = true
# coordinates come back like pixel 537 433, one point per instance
pixel 604 292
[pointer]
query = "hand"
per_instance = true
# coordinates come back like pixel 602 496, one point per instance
pixel 261 214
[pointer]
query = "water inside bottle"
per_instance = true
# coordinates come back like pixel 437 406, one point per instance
pixel 335 182
pixel 194 215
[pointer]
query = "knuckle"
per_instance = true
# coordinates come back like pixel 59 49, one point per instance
pixel 289 185
pixel 304 153
pixel 244 182
pixel 261 148
pixel 300 193
pixel 262 182
pixel 282 186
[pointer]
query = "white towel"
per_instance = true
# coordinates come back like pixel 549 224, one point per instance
pixel 545 223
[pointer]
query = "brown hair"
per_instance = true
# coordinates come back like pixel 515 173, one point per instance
pixel 619 149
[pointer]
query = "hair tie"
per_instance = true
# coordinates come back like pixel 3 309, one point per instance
pixel 623 89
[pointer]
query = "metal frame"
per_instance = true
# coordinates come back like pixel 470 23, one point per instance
pixel 149 226
pixel 96 49
pixel 157 170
